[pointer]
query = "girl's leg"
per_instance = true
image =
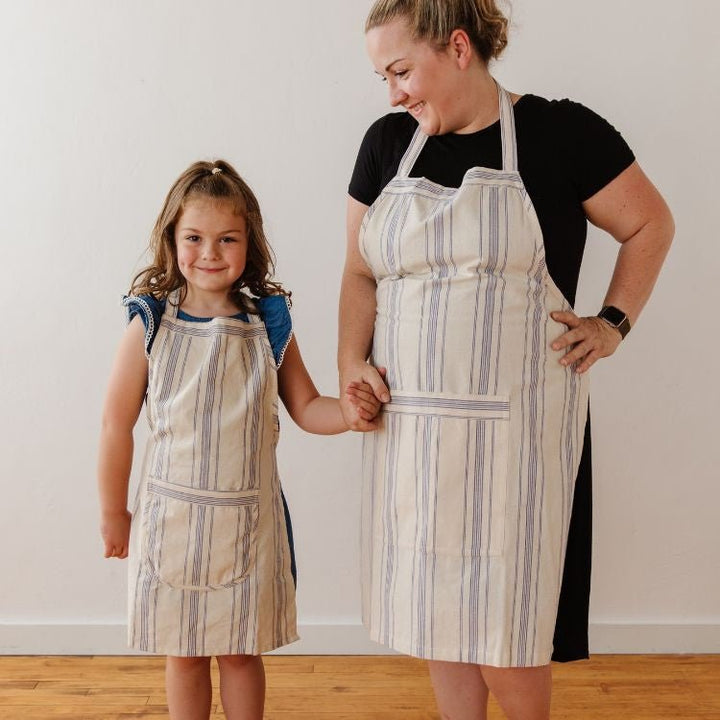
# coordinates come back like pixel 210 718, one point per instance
pixel 242 686
pixel 522 693
pixel 460 690
pixel 189 692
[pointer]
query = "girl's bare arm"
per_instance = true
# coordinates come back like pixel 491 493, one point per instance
pixel 313 412
pixel 123 402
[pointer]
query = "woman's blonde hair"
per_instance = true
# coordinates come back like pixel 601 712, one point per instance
pixel 220 182
pixel 435 20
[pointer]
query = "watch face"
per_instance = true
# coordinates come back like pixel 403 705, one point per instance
pixel 613 315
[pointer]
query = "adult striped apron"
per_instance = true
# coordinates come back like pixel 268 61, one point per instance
pixel 209 562
pixel 468 486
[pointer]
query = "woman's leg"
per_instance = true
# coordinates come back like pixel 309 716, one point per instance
pixel 460 690
pixel 187 683
pixel 242 686
pixel 522 693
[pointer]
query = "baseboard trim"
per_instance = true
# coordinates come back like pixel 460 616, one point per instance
pixel 349 639
pixel 630 638
pixel 99 639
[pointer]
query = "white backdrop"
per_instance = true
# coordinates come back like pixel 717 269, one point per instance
pixel 105 102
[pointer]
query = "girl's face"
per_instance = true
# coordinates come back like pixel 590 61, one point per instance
pixel 427 82
pixel 212 243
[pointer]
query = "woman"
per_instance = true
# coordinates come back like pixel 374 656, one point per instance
pixel 466 227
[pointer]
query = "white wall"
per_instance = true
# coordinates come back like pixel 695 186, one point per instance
pixel 104 103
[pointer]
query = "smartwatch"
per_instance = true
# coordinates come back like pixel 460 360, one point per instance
pixel 615 318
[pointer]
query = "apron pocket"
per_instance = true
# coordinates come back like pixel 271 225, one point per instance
pixel 200 539
pixel 445 464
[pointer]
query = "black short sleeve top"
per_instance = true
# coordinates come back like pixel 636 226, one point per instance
pixel 566 153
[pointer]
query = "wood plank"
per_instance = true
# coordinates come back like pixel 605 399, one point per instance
pixel 356 688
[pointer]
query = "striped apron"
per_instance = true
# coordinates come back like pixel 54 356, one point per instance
pixel 468 486
pixel 209 561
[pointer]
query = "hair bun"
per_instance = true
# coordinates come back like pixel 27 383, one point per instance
pixel 435 20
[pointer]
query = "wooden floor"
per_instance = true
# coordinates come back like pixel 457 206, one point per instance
pixel 608 687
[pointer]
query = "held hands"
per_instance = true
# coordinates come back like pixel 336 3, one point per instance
pixel 591 338
pixel 365 391
pixel 115 531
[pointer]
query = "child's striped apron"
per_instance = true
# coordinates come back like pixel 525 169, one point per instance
pixel 210 564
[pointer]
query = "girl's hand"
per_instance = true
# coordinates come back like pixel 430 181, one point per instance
pixel 115 531
pixel 591 337
pixel 370 379
pixel 361 395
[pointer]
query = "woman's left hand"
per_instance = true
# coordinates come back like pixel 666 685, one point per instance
pixel 591 338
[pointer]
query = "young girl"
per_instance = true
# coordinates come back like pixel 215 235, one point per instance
pixel 209 347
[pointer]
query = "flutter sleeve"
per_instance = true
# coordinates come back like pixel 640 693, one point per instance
pixel 150 310
pixel 275 313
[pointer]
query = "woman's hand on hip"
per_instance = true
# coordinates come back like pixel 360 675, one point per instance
pixel 363 388
pixel 590 338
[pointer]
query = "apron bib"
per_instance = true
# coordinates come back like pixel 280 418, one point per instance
pixel 468 487
pixel 209 561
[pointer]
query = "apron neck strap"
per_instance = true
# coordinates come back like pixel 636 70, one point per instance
pixel 507 135
pixel 507 130
pixel 411 154
pixel 172 303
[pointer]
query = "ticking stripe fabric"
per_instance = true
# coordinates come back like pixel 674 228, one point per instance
pixel 468 487
pixel 210 563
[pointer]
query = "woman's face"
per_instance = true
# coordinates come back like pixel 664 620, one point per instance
pixel 427 82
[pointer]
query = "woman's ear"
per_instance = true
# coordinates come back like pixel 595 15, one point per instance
pixel 460 47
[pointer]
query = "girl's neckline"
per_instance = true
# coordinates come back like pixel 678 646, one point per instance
pixel 182 315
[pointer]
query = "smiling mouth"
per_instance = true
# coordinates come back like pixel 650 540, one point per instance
pixel 210 270
pixel 416 108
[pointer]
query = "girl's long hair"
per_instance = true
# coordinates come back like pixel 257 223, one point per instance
pixel 215 181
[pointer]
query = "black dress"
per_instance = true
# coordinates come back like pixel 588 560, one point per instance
pixel 566 154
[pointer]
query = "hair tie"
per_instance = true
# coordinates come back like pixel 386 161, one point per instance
pixel 216 170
